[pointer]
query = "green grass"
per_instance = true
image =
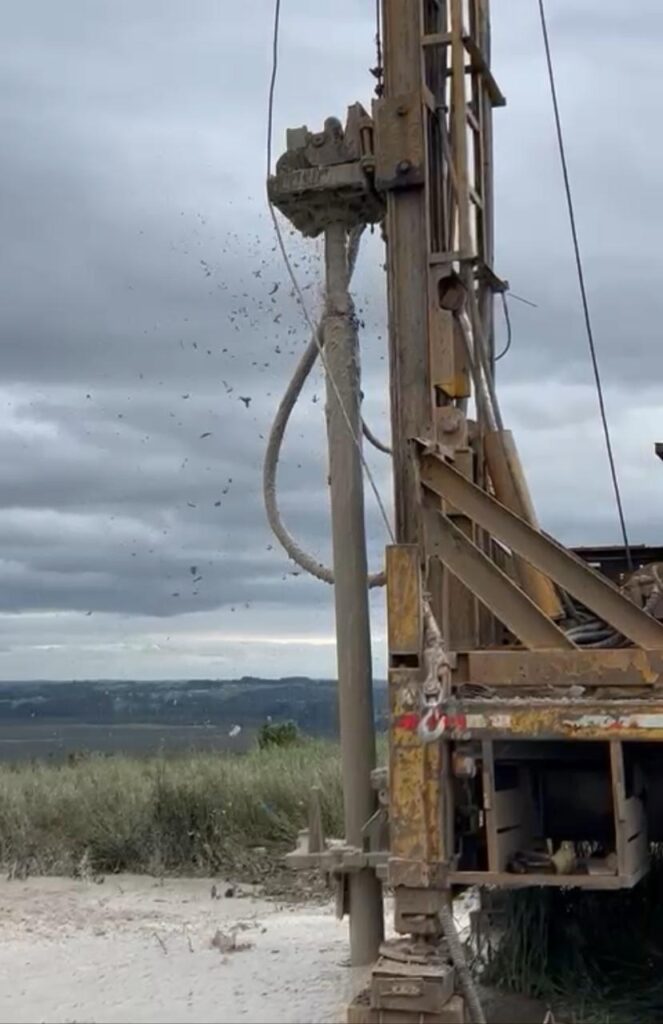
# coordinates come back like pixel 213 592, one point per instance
pixel 205 813
pixel 601 953
pixel 199 813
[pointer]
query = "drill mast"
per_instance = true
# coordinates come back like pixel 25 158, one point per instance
pixel 478 599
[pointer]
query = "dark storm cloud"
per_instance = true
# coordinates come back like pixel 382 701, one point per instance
pixel 113 514
pixel 139 310
pixel 606 69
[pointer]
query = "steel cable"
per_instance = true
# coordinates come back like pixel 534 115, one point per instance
pixel 581 282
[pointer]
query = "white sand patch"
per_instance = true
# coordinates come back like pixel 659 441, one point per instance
pixel 135 949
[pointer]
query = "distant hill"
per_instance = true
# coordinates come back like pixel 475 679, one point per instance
pixel 312 703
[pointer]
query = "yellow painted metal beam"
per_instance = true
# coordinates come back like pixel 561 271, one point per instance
pixel 554 719
pixel 627 668
pixel 414 791
pixel 540 550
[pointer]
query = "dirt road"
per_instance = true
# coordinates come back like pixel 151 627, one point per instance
pixel 135 949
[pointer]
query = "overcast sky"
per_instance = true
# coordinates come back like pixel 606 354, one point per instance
pixel 138 308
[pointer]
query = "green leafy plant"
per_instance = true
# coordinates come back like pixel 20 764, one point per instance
pixel 278 734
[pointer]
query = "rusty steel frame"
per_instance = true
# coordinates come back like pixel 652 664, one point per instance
pixel 432 167
pixel 540 550
pixel 627 668
pixel 449 524
pixel 495 589
pixel 554 719
pixel 505 880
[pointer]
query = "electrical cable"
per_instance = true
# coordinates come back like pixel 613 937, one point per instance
pixel 583 289
pixel 509 329
pixel 519 298
pixel 481 350
pixel 378 70
pixel 470 324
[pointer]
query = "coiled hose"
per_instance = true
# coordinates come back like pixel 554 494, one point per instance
pixel 303 559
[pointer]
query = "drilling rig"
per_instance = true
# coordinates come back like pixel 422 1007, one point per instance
pixel 525 704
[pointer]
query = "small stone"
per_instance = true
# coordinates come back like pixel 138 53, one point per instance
pixel 223 942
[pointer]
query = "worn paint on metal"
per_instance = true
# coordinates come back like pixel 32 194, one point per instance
pixel 404 600
pixel 623 668
pixel 541 551
pixel 616 724
pixel 561 719
pixel 414 772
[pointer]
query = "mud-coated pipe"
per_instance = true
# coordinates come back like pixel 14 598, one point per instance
pixel 353 639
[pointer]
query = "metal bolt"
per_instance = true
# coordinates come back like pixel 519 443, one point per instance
pixel 403 166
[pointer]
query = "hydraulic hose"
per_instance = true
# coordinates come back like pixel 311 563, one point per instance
pixel 303 559
pixel 459 959
pixel 372 439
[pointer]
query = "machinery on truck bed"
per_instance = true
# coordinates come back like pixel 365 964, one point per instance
pixel 526 709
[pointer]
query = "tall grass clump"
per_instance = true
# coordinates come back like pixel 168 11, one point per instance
pixel 201 812
pixel 600 952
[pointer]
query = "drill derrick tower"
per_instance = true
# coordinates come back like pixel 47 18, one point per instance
pixel 525 709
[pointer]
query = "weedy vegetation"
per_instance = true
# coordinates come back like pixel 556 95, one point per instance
pixel 199 813
pixel 596 957
pixel 600 954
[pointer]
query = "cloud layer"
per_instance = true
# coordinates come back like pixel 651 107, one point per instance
pixel 148 328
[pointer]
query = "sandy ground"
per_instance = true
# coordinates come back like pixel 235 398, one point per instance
pixel 134 949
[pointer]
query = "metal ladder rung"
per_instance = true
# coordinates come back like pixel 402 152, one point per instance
pixel 437 39
pixel 478 61
pixel 436 259
pixel 479 64
pixel 475 197
pixel 473 120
